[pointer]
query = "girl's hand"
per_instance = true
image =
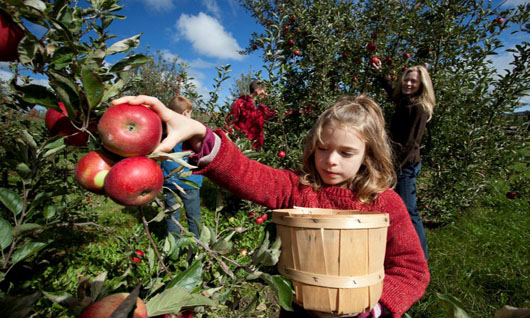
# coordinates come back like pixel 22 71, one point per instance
pixel 179 127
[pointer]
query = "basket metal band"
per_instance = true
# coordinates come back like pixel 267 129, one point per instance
pixel 331 281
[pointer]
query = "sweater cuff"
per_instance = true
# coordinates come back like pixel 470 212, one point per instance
pixel 209 149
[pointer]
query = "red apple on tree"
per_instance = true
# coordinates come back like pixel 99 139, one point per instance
pixel 290 41
pixel 91 170
pixel 10 36
pixel 281 154
pixel 104 307
pixel 259 220
pixel 371 47
pixel 374 60
pixel 355 79
pixel 406 55
pixel 297 52
pixel 58 123
pixel 134 181
pixel 130 130
pixel 498 20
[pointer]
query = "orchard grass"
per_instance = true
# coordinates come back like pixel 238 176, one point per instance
pixel 482 259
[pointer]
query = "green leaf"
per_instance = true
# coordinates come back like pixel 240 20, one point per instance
pixel 454 307
pixel 11 200
pixel 282 289
pixel 69 97
pixel 23 168
pixel 19 306
pixel 61 298
pixel 61 58
pixel 112 91
pixel 94 88
pixel 37 4
pixel 6 236
pixel 27 50
pixel 52 151
pixel 222 246
pixel 29 139
pixel 25 228
pixel 189 278
pixel 36 94
pixel 173 299
pixel 124 45
pixel 205 235
pixel 128 62
pixel 27 250
pixel 49 212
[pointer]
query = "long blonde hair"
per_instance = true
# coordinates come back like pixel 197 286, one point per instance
pixel 425 95
pixel 365 117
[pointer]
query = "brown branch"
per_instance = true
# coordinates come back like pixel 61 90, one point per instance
pixel 146 226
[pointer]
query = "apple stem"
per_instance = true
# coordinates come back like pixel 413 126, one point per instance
pixel 146 226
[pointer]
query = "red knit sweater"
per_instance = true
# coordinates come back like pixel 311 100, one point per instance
pixel 406 271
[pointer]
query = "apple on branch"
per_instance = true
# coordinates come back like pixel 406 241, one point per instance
pixel 104 307
pixel 58 123
pixel 91 170
pixel 130 130
pixel 134 181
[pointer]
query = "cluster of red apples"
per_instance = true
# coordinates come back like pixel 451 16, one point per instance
pixel 120 169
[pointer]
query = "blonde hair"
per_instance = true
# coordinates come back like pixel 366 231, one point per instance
pixel 364 116
pixel 180 104
pixel 425 95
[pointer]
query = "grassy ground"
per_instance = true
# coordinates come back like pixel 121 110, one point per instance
pixel 483 259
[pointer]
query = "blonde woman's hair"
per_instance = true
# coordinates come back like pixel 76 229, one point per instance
pixel 425 95
pixel 180 104
pixel 365 118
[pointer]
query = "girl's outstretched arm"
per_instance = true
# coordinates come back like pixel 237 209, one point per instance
pixel 179 127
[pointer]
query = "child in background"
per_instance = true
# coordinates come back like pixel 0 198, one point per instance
pixel 346 165
pixel 191 197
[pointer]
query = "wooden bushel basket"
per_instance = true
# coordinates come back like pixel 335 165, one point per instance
pixel 333 257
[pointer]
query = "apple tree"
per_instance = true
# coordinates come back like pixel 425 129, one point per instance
pixel 314 51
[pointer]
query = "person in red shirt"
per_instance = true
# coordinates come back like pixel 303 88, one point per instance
pixel 248 114
pixel 347 165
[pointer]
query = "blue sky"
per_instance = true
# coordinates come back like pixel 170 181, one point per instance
pixel 207 34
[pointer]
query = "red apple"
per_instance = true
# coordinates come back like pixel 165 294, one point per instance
pixel 290 41
pixel 130 130
pixel 10 36
pixel 511 195
pixel 355 79
pixel 259 220
pixel 252 214
pixel 281 154
pixel 375 60
pixel 297 52
pixel 139 253
pixel 243 252
pixel 91 170
pixel 388 60
pixel 371 47
pixel 498 20
pixel 134 181
pixel 58 123
pixel 104 307
pixel 406 55
pixel 265 216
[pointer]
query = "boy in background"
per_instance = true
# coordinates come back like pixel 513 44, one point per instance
pixel 191 197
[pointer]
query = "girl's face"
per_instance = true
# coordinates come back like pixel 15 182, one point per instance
pixel 411 83
pixel 339 156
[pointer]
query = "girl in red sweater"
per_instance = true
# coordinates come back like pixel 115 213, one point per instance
pixel 346 165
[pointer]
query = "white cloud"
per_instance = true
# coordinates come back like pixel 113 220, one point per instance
pixel 208 36
pixel 213 7
pixel 501 63
pixel 158 5
pixel 514 3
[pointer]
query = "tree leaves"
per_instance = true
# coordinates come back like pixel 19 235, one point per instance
pixel 172 300
pixel 11 200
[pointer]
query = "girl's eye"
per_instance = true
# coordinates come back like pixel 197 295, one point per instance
pixel 321 148
pixel 347 153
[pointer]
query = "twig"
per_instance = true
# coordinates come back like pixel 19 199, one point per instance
pixel 212 252
pixel 146 226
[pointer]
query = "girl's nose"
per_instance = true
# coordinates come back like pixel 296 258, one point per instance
pixel 332 158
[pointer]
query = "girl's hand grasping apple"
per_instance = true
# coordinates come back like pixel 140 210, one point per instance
pixel 179 127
